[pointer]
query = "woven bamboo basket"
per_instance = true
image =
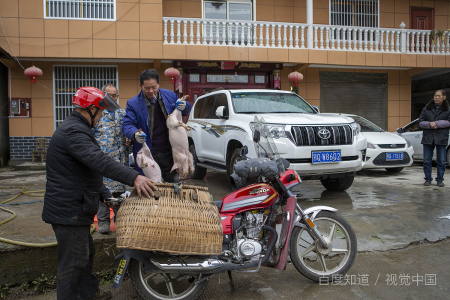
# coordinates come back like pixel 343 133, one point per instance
pixel 187 222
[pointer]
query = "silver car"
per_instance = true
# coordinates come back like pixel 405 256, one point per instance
pixel 413 134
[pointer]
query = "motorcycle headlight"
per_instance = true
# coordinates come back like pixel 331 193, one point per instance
pixel 370 146
pixel 355 128
pixel 408 144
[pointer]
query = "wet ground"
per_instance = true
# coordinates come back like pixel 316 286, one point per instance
pixel 400 226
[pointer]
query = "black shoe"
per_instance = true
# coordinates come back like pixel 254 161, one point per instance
pixel 103 227
pixel 440 184
pixel 427 183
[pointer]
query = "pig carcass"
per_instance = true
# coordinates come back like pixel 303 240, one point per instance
pixel 145 161
pixel 182 158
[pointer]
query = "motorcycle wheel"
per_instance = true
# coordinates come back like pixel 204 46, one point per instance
pixel 317 263
pixel 165 286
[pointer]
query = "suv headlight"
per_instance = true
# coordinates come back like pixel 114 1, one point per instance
pixel 370 146
pixel 275 131
pixel 355 128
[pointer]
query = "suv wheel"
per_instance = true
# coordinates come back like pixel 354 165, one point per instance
pixel 338 184
pixel 235 157
pixel 199 172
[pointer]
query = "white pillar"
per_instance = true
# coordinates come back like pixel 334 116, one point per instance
pixel 310 22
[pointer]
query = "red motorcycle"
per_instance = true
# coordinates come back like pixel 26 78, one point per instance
pixel 262 224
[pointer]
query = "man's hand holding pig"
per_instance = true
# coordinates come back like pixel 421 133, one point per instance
pixel 180 104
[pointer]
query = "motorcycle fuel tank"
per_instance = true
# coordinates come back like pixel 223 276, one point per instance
pixel 255 196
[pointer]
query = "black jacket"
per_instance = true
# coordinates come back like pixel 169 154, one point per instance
pixel 437 136
pixel 75 169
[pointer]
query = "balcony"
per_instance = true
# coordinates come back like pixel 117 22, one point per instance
pixel 190 31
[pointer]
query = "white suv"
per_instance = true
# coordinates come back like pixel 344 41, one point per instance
pixel 328 147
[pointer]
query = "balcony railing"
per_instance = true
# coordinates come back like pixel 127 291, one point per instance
pixel 233 33
pixel 379 39
pixel 293 35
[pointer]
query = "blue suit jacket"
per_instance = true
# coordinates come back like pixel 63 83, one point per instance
pixel 137 118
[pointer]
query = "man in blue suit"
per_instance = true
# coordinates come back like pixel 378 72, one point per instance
pixel 148 111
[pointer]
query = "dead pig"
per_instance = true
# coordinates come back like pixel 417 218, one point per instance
pixel 145 161
pixel 182 158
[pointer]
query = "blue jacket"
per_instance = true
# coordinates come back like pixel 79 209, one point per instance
pixel 137 117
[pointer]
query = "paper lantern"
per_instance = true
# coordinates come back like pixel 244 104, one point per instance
pixel 295 77
pixel 172 73
pixel 33 73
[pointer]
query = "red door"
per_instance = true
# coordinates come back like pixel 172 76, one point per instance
pixel 422 18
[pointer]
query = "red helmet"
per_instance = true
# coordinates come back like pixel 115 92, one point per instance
pixel 86 96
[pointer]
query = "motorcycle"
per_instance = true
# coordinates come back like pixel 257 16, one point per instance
pixel 262 225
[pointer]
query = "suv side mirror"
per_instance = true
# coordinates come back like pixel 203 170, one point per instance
pixel 400 130
pixel 256 136
pixel 222 112
pixel 316 108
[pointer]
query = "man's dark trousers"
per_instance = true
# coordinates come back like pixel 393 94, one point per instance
pixel 75 257
pixel 440 159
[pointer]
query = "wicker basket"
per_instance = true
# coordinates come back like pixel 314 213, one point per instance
pixel 187 222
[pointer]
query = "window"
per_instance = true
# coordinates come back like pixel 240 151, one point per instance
pixel 268 102
pixel 80 9
pixel 366 125
pixel 228 10
pixel 260 78
pixel 221 100
pixel 208 107
pixel 360 13
pixel 227 78
pixel 414 126
pixel 67 79
pixel 194 77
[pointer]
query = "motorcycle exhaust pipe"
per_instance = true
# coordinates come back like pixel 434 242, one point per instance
pixel 209 264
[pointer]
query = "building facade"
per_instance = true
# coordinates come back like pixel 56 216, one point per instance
pixel 357 56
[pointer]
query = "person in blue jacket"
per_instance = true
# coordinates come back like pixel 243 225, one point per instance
pixel 148 111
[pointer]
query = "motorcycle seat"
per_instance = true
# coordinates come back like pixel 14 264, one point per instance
pixel 219 204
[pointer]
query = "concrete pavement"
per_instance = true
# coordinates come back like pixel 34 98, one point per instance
pixel 396 219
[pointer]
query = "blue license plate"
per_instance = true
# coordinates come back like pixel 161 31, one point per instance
pixel 394 156
pixel 326 157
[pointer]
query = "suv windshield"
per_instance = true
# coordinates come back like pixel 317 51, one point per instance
pixel 366 125
pixel 271 102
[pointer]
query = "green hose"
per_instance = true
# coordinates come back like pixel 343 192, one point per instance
pixel 32 194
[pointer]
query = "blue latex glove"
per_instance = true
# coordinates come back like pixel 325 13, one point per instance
pixel 180 104
pixel 140 137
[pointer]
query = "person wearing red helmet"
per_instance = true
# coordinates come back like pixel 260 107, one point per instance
pixel 75 169
pixel 94 100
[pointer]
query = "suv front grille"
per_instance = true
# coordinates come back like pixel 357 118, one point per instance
pixel 391 146
pixel 309 135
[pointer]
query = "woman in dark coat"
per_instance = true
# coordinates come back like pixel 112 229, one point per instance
pixel 435 121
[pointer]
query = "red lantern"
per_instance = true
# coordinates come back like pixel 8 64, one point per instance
pixel 172 73
pixel 33 73
pixel 295 77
